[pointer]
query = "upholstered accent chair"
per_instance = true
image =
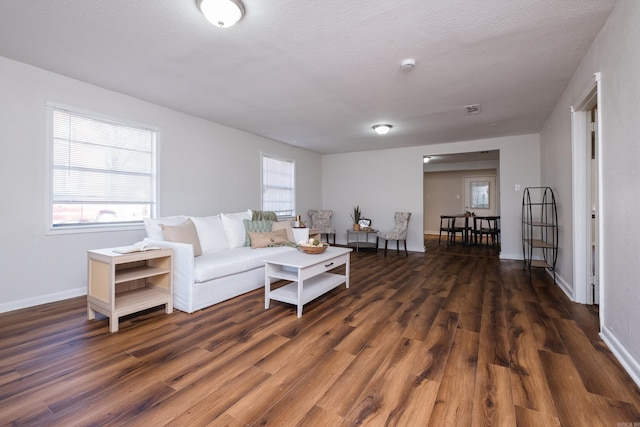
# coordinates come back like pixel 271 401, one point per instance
pixel 397 233
pixel 321 221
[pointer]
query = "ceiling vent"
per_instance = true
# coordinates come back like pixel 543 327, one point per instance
pixel 472 109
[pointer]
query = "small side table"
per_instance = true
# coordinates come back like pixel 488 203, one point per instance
pixel 365 244
pixel 122 284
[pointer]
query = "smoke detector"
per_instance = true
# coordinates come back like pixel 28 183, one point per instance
pixel 472 109
pixel 408 64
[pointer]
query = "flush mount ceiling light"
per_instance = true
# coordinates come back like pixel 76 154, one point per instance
pixel 222 13
pixel 426 159
pixel 382 129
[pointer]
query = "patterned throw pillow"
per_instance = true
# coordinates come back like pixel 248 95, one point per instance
pixel 259 226
pixel 260 215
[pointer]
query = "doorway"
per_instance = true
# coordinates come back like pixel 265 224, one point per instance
pixel 586 210
pixel 444 186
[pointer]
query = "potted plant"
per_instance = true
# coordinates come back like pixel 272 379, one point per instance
pixel 356 216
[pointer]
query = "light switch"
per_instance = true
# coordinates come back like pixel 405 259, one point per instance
pixel 517 187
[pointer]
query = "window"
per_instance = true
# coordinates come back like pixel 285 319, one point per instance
pixel 278 193
pixel 103 173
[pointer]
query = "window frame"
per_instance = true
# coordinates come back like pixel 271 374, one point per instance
pixel 50 229
pixel 293 183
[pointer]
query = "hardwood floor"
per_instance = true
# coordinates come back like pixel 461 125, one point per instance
pixel 449 337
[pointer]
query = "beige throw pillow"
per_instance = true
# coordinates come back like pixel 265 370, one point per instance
pixel 286 226
pixel 183 233
pixel 269 238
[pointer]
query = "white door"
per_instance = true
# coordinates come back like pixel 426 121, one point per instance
pixel 480 195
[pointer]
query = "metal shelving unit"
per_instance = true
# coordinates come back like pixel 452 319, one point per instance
pixel 539 229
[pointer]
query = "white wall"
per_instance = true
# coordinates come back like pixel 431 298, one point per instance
pixel 614 53
pixel 205 168
pixel 385 181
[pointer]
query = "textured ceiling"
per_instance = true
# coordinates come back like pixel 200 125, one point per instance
pixel 319 73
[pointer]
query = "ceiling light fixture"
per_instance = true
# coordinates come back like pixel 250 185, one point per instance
pixel 426 159
pixel 222 13
pixel 382 129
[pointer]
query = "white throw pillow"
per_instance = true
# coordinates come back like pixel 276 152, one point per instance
pixel 152 225
pixel 234 227
pixel 211 233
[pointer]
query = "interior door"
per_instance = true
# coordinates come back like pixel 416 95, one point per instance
pixel 480 195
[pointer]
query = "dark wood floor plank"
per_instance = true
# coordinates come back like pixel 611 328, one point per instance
pixel 319 417
pixel 599 374
pixel 420 324
pixel 343 394
pixel 437 347
pixel 573 403
pixel 493 400
pixel 221 399
pixel 529 418
pixel 493 327
pixel 301 398
pixel 528 381
pixel 544 330
pixel 454 403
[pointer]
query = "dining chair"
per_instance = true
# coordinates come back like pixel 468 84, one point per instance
pixel 488 226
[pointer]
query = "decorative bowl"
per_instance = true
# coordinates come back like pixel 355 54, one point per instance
pixel 314 250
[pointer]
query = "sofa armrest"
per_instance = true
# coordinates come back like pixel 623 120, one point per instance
pixel 183 270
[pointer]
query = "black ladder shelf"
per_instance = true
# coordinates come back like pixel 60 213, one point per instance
pixel 539 229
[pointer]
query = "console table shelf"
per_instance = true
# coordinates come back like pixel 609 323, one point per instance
pixel 122 284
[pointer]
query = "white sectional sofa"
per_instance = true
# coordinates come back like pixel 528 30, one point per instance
pixel 226 268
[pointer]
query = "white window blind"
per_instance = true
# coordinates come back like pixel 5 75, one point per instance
pixel 102 171
pixel 278 192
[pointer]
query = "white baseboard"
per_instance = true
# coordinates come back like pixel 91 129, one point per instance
pixel 563 285
pixel 512 257
pixel 624 357
pixel 42 299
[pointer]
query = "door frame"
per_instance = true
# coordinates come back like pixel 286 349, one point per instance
pixel 581 198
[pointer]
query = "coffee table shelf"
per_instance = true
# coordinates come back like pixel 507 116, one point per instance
pixel 313 288
pixel 309 275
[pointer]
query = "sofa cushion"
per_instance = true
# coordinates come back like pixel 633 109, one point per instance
pixel 211 266
pixel 268 239
pixel 210 233
pixel 286 226
pixel 152 225
pixel 183 233
pixel 234 227
pixel 259 226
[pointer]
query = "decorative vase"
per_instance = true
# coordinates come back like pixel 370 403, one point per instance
pixel 356 227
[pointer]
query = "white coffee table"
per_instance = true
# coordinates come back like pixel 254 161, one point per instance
pixel 309 275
